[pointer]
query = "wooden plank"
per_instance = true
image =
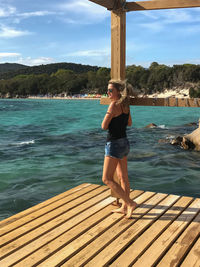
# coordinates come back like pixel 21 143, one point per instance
pixel 120 243
pixel 148 101
pixel 93 248
pixel 177 252
pixel 109 4
pixel 118 44
pixel 90 237
pixel 193 258
pixel 43 211
pixel 167 102
pixel 136 101
pixel 151 234
pixel 30 233
pixel 155 252
pixel 164 4
pixel 43 204
pixel 46 243
pixel 49 216
pixel 55 240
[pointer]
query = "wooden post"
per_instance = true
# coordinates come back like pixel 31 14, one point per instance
pixel 118 44
pixel 118 55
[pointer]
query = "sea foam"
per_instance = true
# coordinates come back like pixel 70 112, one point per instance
pixel 24 143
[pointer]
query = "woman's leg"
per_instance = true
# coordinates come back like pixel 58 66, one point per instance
pixel 110 165
pixel 122 173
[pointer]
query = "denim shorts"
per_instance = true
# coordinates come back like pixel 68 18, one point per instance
pixel 118 148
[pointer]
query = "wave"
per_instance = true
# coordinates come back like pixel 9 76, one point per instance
pixel 162 126
pixel 24 143
pixel 170 137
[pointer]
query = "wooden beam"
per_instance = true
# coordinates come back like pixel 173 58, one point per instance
pixel 167 102
pixel 109 4
pixel 164 4
pixel 118 52
pixel 118 44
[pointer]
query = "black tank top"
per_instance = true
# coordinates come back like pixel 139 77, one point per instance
pixel 117 127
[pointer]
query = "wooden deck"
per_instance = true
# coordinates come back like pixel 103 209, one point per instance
pixel 77 228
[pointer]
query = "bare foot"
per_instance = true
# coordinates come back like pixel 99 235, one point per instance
pixel 130 210
pixel 116 202
pixel 120 210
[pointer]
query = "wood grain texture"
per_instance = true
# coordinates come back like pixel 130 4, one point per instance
pixel 167 102
pixel 118 45
pixel 165 4
pixel 81 230
pixel 109 4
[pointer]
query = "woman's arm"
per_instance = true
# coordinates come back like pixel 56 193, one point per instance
pixel 108 117
pixel 129 119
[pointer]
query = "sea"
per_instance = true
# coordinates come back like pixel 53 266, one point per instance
pixel 50 146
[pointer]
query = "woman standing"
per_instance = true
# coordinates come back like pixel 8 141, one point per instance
pixel 117 147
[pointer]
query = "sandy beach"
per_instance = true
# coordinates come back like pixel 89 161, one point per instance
pixel 62 98
pixel 183 93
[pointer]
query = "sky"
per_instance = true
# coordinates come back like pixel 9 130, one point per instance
pixel 79 31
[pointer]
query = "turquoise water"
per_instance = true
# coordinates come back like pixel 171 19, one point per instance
pixel 50 146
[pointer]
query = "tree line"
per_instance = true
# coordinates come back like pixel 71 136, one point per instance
pixel 156 78
pixel 10 70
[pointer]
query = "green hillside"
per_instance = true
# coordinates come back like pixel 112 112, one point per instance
pixel 15 69
pixel 6 67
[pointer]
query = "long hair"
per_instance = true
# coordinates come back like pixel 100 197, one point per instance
pixel 125 90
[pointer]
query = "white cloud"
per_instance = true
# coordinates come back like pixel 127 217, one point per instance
pixel 89 53
pixel 91 57
pixel 34 14
pixel 173 15
pixel 35 61
pixel 158 20
pixel 154 26
pixel 178 16
pixel 29 61
pixel 6 11
pixel 5 54
pixel 82 12
pixel 81 6
pixel 7 32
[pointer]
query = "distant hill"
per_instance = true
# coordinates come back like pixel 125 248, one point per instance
pixel 49 68
pixel 6 67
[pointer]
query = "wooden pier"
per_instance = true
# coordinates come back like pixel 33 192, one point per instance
pixel 78 228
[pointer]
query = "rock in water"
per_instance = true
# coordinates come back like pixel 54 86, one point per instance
pixel 163 141
pixel 177 141
pixel 189 141
pixel 191 124
pixel 151 125
pixel 187 144
pixel 193 137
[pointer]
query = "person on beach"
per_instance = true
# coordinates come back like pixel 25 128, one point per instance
pixel 116 120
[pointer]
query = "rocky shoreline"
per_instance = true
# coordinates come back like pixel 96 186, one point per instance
pixel 188 141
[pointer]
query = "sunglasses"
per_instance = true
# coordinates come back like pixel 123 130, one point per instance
pixel 110 90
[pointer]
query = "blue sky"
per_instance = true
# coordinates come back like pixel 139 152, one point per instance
pixel 41 32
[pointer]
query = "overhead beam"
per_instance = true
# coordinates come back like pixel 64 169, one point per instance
pixel 109 4
pixel 166 102
pixel 164 4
